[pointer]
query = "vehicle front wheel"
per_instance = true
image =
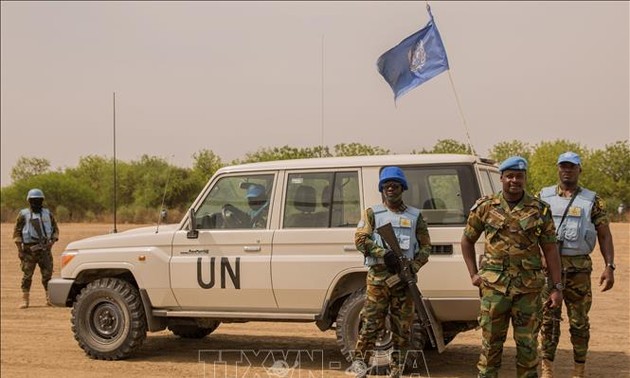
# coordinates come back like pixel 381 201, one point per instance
pixel 108 319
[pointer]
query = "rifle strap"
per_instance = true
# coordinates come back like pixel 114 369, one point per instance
pixel 566 210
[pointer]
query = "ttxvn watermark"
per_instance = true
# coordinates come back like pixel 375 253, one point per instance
pixel 268 363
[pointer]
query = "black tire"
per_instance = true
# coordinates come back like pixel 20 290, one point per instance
pixel 186 331
pixel 348 327
pixel 108 319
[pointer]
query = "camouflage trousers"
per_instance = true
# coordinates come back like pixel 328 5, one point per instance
pixel 29 260
pixel 578 299
pixel 497 309
pixel 382 300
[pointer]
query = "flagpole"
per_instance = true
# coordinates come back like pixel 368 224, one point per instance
pixel 461 113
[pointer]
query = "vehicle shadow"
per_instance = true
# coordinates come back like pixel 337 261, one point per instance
pixel 231 349
pixel 322 353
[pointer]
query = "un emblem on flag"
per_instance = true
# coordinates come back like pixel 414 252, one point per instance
pixel 417 57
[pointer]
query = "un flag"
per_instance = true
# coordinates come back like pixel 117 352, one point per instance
pixel 417 59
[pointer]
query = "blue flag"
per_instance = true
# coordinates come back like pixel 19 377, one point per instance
pixel 417 59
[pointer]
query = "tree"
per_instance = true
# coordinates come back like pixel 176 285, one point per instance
pixel 283 153
pixel 206 163
pixel 504 150
pixel 358 149
pixel 608 173
pixel 27 167
pixel 447 146
pixel 543 170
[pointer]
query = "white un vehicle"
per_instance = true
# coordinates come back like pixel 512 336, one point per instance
pixel 296 262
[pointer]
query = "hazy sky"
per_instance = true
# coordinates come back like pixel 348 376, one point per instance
pixel 235 77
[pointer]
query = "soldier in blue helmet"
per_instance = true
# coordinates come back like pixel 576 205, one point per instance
pixel 581 219
pixel 34 234
pixel 413 236
pixel 258 204
pixel 516 226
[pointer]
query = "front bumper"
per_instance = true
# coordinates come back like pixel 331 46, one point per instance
pixel 58 290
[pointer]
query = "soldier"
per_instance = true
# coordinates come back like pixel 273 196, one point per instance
pixel 413 236
pixel 579 215
pixel 516 227
pixel 257 201
pixel 34 235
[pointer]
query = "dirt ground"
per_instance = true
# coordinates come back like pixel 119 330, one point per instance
pixel 38 341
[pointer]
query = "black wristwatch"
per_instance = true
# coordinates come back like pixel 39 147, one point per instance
pixel 611 266
pixel 559 286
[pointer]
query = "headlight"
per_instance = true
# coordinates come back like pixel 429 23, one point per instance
pixel 66 257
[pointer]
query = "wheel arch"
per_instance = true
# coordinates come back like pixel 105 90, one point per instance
pixel 344 284
pixel 86 276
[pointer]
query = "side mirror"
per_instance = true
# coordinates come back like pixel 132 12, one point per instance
pixel 192 233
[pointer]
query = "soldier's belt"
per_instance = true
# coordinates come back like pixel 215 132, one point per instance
pixel 35 247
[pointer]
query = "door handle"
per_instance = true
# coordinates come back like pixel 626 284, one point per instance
pixel 350 248
pixel 251 248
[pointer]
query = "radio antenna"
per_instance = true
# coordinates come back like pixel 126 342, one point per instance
pixel 162 212
pixel 115 183
pixel 321 152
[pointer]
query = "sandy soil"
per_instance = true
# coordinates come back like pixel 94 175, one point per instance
pixel 38 341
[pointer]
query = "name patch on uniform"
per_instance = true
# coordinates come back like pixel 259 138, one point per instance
pixel 575 211
pixel 404 222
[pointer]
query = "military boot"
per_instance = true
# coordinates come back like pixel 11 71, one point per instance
pixel 25 298
pixel 359 368
pixel 546 368
pixel 578 370
pixel 48 302
pixel 395 372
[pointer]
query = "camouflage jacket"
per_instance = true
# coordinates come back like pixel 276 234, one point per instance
pixel 512 257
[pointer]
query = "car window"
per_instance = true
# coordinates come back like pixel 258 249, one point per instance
pixel 495 178
pixel 486 182
pixel 444 195
pixel 322 200
pixel 236 202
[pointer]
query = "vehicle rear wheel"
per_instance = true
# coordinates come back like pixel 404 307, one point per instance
pixel 187 331
pixel 108 319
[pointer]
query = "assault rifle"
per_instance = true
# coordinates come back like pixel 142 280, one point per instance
pixel 42 241
pixel 408 277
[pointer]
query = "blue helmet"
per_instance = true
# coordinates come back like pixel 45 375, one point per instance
pixel 392 174
pixel 569 157
pixel 35 193
pixel 514 163
pixel 254 191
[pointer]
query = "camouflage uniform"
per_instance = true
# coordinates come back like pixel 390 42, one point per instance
pixel 576 275
pixel 512 277
pixel 259 217
pixel 381 298
pixel 29 259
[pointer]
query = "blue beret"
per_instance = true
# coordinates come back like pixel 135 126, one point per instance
pixel 569 157
pixel 515 163
pixel 255 191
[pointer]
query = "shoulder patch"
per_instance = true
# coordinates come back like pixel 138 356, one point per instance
pixel 480 201
pixel 541 204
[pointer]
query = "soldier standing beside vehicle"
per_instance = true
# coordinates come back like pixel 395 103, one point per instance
pixel 580 217
pixel 516 227
pixel 34 234
pixel 413 236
